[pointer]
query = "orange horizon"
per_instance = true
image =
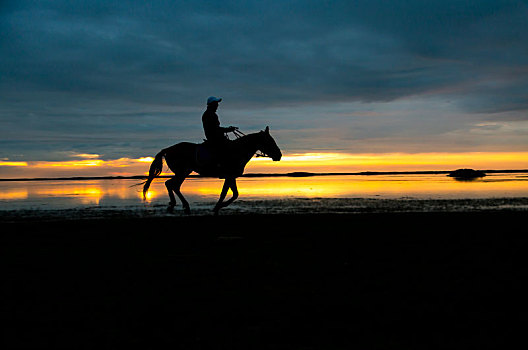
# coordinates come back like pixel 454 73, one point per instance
pixel 318 162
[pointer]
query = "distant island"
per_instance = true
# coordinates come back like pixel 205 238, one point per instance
pixel 467 174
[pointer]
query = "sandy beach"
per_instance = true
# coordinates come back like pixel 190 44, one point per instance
pixel 429 280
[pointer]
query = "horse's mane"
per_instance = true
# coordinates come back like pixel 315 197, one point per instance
pixel 246 138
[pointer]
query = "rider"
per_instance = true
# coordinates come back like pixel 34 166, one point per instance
pixel 214 133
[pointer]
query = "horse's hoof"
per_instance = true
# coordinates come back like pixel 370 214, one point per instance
pixel 187 211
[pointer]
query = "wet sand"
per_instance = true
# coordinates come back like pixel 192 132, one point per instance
pixel 436 280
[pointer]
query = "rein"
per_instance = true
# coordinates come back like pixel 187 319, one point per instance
pixel 238 134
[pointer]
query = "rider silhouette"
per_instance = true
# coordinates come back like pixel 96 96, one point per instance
pixel 214 133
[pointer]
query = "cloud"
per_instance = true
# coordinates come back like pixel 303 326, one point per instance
pixel 261 52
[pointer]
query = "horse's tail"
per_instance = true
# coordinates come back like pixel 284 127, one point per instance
pixel 155 169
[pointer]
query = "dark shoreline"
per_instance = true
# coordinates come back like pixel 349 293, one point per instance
pixel 322 281
pixel 291 174
pixel 295 207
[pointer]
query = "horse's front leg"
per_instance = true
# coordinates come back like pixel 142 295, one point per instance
pixel 234 190
pixel 228 183
pixel 223 194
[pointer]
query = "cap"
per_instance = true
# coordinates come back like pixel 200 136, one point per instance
pixel 213 99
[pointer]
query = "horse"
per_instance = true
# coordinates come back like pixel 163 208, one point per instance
pixel 184 158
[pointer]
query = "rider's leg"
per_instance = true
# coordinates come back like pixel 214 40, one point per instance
pixel 222 153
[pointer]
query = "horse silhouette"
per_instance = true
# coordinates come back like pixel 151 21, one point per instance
pixel 186 157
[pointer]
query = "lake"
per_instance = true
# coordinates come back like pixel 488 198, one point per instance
pixel 275 194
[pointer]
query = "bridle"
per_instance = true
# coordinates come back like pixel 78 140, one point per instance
pixel 238 134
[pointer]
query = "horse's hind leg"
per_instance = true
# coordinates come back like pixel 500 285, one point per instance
pixel 170 188
pixel 173 185
pixel 178 183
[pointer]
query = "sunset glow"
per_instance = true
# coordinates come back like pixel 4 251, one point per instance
pixel 308 162
pixel 347 162
pixel 145 159
pixel 7 163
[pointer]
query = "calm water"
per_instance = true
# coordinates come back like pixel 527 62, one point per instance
pixel 202 193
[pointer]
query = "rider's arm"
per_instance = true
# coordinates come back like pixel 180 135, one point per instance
pixel 211 121
pixel 229 129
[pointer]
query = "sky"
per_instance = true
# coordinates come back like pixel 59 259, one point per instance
pixel 109 83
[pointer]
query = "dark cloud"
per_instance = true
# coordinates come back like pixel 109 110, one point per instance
pixel 98 71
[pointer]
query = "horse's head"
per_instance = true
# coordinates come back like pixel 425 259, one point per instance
pixel 268 146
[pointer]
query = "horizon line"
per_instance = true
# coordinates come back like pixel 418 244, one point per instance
pixel 289 174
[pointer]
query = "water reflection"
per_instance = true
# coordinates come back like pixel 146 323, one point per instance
pixel 13 194
pixel 119 192
pixel 386 186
